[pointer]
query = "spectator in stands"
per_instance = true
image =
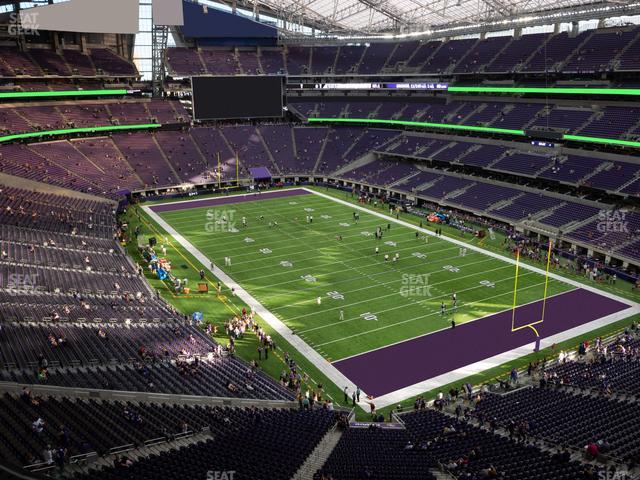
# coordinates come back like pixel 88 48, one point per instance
pixel 59 457
pixel 490 472
pixel 25 396
pixel 47 455
pixel 592 451
pixel 64 436
pixel 231 387
pixel 38 425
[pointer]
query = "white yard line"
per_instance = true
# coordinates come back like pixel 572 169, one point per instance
pixel 307 259
pixel 341 306
pixel 469 246
pixel 437 312
pixel 257 244
pixel 391 398
pixel 320 275
pixel 428 299
pixel 318 361
pixel 464 323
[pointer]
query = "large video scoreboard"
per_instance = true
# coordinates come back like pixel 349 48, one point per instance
pixel 237 97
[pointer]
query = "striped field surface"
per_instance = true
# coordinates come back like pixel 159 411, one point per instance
pixel 286 261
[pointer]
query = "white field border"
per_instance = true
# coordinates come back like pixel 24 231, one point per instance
pixel 339 379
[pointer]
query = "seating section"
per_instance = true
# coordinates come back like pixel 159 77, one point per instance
pixel 376 453
pixel 76 312
pixel 38 62
pixel 525 205
pixel 430 439
pixel 570 169
pixel 222 62
pixel 566 418
pixel 84 426
pixel 210 377
pixel 591 51
pixel 609 122
pixel 621 227
pixel 55 213
pixel 113 166
pixel 554 52
pixel 72 344
pixel 89 114
pixel 614 367
pixel 598 52
pixel 516 53
pixel 247 442
pixel 469 451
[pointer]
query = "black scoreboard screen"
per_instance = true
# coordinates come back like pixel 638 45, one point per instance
pixel 237 97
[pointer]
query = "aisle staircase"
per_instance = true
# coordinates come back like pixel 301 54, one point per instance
pixel 319 456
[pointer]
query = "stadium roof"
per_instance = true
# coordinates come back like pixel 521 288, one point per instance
pixel 395 16
pixel 371 17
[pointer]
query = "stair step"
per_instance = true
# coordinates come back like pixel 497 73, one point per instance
pixel 319 456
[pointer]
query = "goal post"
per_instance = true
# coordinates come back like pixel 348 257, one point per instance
pixel 531 325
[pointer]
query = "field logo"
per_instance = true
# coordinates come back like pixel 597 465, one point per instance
pixel 487 283
pixel 415 285
pixel 391 244
pixel 248 240
pixel 612 221
pixel 265 251
pixel 286 263
pixel 451 268
pixel 23 24
pixel 335 295
pixel 221 221
pixel 343 224
pixel 309 209
pixel 368 316
pixel 419 255
pixel 325 217
pixel 308 278
pixel 293 203
pixel 366 234
pixel 220 474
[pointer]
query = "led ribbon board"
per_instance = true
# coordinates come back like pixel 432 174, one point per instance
pixel 451 126
pixel 549 90
pixel 66 131
pixel 65 93
pixel 471 128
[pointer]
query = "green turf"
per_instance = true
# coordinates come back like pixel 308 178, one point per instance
pixel 217 310
pixel 395 292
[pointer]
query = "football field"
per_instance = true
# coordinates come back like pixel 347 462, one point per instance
pixel 312 262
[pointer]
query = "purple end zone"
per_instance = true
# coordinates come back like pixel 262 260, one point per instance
pixel 215 201
pixel 390 368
